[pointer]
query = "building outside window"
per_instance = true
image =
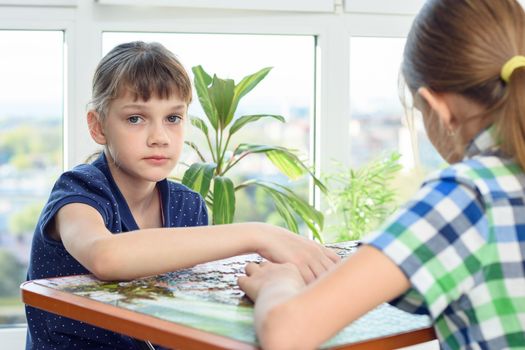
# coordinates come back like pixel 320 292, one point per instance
pixel 31 149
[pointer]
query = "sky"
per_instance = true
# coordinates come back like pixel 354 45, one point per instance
pixel 33 59
pixel 373 82
pixel 31 73
pixel 31 68
pixel 235 56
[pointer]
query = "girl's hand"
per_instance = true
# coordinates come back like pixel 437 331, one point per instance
pixel 282 246
pixel 267 274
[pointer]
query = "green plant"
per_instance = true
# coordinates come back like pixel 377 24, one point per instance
pixel 362 198
pixel 219 99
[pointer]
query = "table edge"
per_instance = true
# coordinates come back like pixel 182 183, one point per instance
pixel 124 321
pixel 171 334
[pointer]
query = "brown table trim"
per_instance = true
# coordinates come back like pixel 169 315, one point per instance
pixel 123 321
pixel 171 334
pixel 393 341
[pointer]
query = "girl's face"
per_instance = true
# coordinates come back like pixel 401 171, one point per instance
pixel 144 139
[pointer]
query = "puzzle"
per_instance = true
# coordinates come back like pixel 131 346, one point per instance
pixel 207 297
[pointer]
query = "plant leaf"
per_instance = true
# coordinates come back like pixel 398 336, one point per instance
pixel 253 148
pixel 313 218
pixel 200 124
pixel 221 94
pixel 292 166
pixel 363 198
pixel 201 81
pixel 223 200
pixel 285 160
pixel 198 177
pixel 242 121
pixel 283 209
pixel 246 85
pixel 250 81
pixel 302 207
pixel 196 149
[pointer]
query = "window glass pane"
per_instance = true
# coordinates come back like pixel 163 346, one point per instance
pixel 361 199
pixel 288 90
pixel 378 124
pixel 31 115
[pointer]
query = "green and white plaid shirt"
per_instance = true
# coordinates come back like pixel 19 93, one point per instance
pixel 461 243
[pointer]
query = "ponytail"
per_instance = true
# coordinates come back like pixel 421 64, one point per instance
pixel 511 121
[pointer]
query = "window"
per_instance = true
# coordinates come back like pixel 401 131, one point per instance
pixel 272 5
pixel 31 128
pixel 32 67
pixel 378 122
pixel 288 90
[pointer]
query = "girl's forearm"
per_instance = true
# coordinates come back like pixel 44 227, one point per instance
pixel 289 315
pixel 274 313
pixel 154 251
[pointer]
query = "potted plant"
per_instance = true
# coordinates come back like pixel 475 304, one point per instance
pixel 361 199
pixel 219 99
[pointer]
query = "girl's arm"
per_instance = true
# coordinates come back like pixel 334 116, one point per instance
pixel 289 315
pixel 152 251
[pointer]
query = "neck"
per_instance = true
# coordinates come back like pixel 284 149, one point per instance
pixel 471 128
pixel 139 195
pixel 472 118
pixel 139 198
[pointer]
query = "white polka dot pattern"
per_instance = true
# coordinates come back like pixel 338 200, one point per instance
pixel 93 185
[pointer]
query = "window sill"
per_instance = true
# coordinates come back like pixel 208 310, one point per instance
pixel 13 337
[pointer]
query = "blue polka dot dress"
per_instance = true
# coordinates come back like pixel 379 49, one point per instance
pixel 92 184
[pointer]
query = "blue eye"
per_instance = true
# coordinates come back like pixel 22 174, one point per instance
pixel 134 119
pixel 175 119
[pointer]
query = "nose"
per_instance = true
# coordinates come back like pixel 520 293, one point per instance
pixel 158 135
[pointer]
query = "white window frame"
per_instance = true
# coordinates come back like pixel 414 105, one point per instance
pixel 84 22
pixel 398 7
pixel 39 3
pixel 265 5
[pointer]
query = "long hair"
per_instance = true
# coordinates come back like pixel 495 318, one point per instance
pixel 460 46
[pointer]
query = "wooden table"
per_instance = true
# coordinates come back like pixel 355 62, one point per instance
pixel 202 308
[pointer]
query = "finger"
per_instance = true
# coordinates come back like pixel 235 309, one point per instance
pixel 327 263
pixel 317 269
pixel 250 268
pixel 332 255
pixel 307 274
pixel 241 281
pixel 244 284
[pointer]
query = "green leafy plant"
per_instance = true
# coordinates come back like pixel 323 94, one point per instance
pixel 362 198
pixel 219 99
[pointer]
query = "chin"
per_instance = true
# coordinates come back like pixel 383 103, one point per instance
pixel 156 176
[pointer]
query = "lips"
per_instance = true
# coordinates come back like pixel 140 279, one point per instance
pixel 157 160
pixel 156 157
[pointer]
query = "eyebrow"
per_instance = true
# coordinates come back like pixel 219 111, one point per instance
pixel 180 107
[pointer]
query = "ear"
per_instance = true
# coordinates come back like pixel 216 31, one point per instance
pixel 440 105
pixel 96 129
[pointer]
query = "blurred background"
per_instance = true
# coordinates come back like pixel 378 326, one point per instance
pixel 334 78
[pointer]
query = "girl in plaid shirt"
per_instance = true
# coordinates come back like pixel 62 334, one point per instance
pixel 456 250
